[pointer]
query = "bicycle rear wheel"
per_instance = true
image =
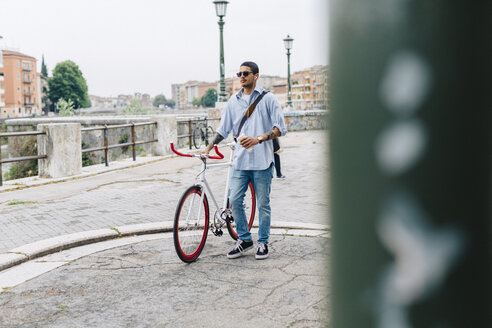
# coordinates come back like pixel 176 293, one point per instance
pixel 191 224
pixel 249 208
pixel 209 135
pixel 197 136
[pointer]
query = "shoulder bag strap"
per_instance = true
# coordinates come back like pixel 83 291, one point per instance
pixel 249 112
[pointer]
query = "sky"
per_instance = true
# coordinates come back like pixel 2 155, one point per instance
pixel 128 46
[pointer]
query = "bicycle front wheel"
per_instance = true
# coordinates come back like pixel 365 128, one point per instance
pixel 197 136
pixel 249 208
pixel 191 224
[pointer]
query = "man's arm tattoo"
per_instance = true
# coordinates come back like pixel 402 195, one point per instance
pixel 273 134
pixel 218 139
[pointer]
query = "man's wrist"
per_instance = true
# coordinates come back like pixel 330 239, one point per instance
pixel 260 139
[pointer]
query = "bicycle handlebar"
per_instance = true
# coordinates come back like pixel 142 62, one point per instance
pixel 219 154
pixel 177 152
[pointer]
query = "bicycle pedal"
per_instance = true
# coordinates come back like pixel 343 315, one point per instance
pixel 218 233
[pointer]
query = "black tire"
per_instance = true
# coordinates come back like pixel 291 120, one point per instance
pixel 209 136
pixel 197 136
pixel 190 238
pixel 250 209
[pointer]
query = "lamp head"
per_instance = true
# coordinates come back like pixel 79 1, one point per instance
pixel 288 42
pixel 220 7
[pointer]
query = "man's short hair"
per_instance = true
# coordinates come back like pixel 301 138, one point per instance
pixel 252 65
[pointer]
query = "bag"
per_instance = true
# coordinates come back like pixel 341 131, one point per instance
pixel 276 145
pixel 248 113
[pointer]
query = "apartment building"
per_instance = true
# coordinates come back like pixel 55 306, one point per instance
pixel 123 100
pixel 233 84
pixel 176 94
pixel 144 98
pixel 184 94
pixel 203 87
pixel 279 89
pixel 268 81
pixel 2 86
pixel 118 102
pixel 191 92
pixel 20 84
pixel 309 88
pixel 103 102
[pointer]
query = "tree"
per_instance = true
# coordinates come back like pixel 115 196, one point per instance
pixel 171 103
pixel 68 83
pixel 196 101
pixel 44 69
pixel 159 100
pixel 209 98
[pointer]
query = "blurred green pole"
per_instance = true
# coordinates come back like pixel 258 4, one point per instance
pixel 411 85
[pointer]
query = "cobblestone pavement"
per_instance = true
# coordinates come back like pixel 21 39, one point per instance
pixel 149 193
pixel 146 285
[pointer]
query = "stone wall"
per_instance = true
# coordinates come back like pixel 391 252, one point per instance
pixel 168 128
pixel 91 139
pixel 306 120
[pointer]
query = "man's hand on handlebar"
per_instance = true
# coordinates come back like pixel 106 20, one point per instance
pixel 218 138
pixel 207 150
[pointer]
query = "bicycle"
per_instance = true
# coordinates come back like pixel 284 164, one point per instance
pixel 192 217
pixel 202 133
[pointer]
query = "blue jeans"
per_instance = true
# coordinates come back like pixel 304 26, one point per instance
pixel 262 181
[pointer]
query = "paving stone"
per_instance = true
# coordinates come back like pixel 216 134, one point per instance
pixel 146 285
pixel 150 193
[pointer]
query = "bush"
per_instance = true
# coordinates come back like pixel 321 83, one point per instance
pixel 4 129
pixel 26 168
pixel 134 108
pixel 124 139
pixel 86 157
pixel 65 108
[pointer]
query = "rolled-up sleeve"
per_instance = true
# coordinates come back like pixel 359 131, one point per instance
pixel 277 115
pixel 226 121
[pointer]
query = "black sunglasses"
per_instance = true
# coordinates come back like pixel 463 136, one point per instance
pixel 245 73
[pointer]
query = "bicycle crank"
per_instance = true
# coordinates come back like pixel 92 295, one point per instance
pixel 217 225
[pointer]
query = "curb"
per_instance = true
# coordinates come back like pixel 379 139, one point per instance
pixel 40 248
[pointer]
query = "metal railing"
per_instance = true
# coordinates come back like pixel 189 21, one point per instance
pixel 189 122
pixel 17 159
pixel 107 146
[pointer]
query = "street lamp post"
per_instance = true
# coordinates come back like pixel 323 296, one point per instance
pixel 288 45
pixel 220 9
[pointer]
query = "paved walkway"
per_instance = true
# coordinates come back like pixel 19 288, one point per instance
pixel 149 193
pixel 139 281
pixel 146 285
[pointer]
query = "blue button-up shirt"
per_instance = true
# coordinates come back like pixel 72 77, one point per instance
pixel 267 115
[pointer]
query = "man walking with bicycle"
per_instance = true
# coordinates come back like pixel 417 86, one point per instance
pixel 255 118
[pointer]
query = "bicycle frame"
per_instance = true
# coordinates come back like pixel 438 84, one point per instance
pixel 201 180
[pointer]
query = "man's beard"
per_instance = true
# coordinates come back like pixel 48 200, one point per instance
pixel 250 85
